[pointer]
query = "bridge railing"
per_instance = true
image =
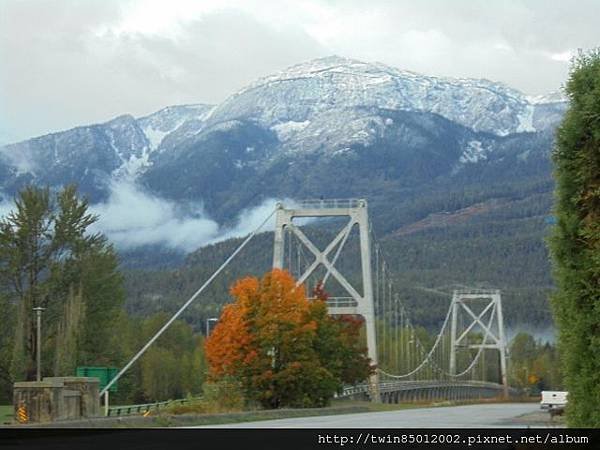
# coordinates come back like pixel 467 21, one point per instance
pixel 126 410
pixel 387 386
pixel 477 291
pixel 330 203
pixel 341 302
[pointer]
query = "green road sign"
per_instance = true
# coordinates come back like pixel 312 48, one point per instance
pixel 104 374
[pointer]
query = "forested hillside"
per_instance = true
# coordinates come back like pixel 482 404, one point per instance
pixel 500 245
pixel 457 174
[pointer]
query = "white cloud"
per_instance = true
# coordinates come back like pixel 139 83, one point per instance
pixel 82 64
pixel 562 56
pixel 67 62
pixel 157 17
pixel 131 218
pixel 6 206
pixel 21 160
pixel 250 219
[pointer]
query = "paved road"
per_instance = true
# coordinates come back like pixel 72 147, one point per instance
pixel 468 416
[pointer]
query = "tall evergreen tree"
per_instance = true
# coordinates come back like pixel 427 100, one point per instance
pixel 25 249
pixel 48 258
pixel 575 243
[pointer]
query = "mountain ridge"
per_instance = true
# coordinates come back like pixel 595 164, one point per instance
pixel 326 65
pixel 344 119
pixel 458 178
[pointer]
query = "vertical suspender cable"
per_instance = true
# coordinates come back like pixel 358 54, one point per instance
pixel 384 316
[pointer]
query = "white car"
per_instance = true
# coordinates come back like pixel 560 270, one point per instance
pixel 554 401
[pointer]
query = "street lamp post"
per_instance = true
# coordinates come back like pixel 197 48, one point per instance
pixel 208 321
pixel 38 311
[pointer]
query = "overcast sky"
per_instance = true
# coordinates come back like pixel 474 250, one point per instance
pixel 66 62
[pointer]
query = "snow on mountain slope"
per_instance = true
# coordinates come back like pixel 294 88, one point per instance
pixel 333 83
pixel 474 152
pixel 155 127
pixel 128 142
pixel 550 97
pixel 331 106
pixel 164 122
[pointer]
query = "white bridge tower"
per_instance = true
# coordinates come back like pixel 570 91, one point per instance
pixel 483 310
pixel 358 303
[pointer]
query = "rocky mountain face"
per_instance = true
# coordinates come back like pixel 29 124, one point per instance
pixel 328 127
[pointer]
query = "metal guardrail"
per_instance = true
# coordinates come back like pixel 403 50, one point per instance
pixel 412 385
pixel 332 203
pixel 126 410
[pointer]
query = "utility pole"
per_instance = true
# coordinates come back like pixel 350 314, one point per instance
pixel 38 311
pixel 208 321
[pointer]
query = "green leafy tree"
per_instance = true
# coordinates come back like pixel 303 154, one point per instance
pixel 25 250
pixel 174 366
pixel 7 315
pixel 161 374
pixel 339 343
pixel 523 351
pixel 534 365
pixel 575 243
pixel 48 258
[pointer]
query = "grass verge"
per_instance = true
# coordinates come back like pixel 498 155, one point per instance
pixel 6 414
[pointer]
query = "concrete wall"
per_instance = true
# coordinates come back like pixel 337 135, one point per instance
pixel 58 398
pixel 89 390
pixel 71 404
pixel 43 400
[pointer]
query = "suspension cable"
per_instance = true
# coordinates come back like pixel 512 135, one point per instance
pixel 437 340
pixel 418 344
pixel 186 304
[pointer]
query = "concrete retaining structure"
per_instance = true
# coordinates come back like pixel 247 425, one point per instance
pixel 43 400
pixel 57 398
pixel 89 390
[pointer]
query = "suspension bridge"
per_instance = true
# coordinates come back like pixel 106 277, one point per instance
pixel 465 359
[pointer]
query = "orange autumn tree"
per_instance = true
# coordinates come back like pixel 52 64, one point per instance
pixel 284 349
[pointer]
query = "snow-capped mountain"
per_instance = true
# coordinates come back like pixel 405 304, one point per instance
pixel 307 90
pixel 93 155
pixel 550 97
pixel 333 116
